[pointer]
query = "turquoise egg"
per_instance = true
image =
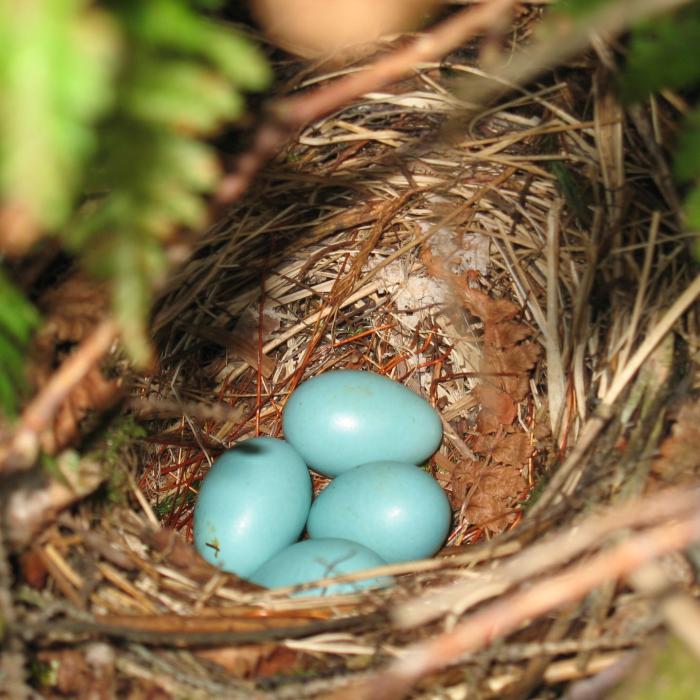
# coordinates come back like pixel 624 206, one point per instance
pixel 311 560
pixel 253 503
pixel 341 419
pixel 395 509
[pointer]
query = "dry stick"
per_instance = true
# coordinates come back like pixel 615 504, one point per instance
pixel 556 384
pixel 292 113
pixel 506 615
pixel 565 479
pixel 21 449
pixel 681 612
pixel 555 550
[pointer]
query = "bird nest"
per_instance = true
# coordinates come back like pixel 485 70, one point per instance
pixel 527 276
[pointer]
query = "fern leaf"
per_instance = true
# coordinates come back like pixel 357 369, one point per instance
pixel 56 58
pixel 18 319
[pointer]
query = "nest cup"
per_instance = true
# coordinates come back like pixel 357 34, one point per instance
pixel 508 277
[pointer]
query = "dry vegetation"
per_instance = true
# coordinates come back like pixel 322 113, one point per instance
pixel 530 277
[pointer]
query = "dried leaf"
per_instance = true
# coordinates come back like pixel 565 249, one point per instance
pixel 34 571
pixel 490 311
pixel 679 458
pixel 488 513
pixel 241 661
pixel 505 334
pixel 488 422
pixel 513 449
pixel 515 364
pixel 253 660
pixel 497 402
pixel 72 309
pixel 493 492
pixel 93 393
pixel 82 675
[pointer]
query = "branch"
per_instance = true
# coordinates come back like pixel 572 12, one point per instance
pixel 288 115
pixel 20 451
pixel 678 529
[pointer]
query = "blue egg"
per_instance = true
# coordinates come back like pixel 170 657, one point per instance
pixel 311 560
pixel 341 419
pixel 395 509
pixel 253 503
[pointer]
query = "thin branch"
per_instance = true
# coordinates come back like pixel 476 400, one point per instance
pixel 20 451
pixel 553 551
pixel 506 615
pixel 291 113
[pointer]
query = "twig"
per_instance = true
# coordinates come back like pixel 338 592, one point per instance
pixel 506 615
pixel 564 480
pixel 185 637
pixel 560 41
pixel 554 551
pixel 12 661
pixel 680 611
pixel 293 112
pixel 556 384
pixel 22 447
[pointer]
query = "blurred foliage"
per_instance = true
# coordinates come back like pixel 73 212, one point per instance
pixel 18 318
pixel 663 55
pixel 104 114
pixel 669 671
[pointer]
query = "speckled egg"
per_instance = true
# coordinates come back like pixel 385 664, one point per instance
pixel 396 509
pixel 311 560
pixel 344 418
pixel 252 504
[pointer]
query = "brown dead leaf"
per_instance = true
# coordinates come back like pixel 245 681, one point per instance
pixel 73 308
pixel 253 660
pixel 34 571
pixel 241 661
pixel 488 513
pixel 488 422
pixel 81 675
pixel 94 393
pixel 513 449
pixel 505 334
pixel 514 364
pixel 679 457
pixel 497 403
pixel 490 311
pixel 492 490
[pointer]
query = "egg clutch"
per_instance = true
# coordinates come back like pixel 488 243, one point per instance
pixel 369 434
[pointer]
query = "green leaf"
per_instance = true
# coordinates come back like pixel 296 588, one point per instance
pixel 687 152
pixel 173 25
pixel 56 60
pixel 18 319
pixel 663 53
pixel 181 94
